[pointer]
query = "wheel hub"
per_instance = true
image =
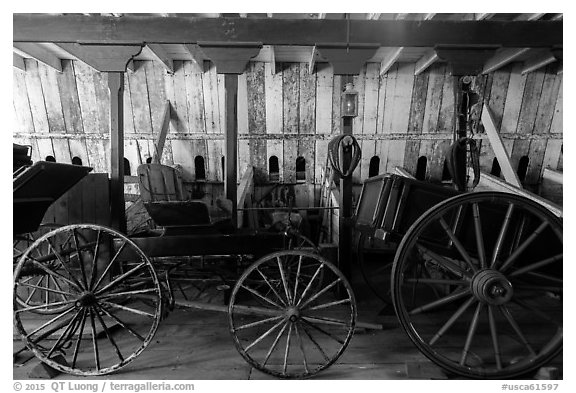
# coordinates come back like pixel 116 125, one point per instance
pixel 87 299
pixel 292 313
pixel 492 287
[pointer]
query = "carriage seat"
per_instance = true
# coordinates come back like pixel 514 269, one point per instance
pixel 164 198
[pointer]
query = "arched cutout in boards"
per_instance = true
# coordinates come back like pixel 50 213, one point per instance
pixel 374 167
pixel 496 170
pixel 523 168
pixel 273 169
pixel 76 160
pixel 50 159
pixel 421 168
pixel 127 171
pixel 199 168
pixel 300 169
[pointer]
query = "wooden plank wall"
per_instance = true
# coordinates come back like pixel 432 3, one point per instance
pixel 288 114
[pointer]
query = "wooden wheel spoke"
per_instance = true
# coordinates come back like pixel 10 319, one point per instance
pixel 330 304
pixel 50 322
pixel 79 339
pixel 64 335
pixel 94 340
pixel 129 309
pixel 517 330
pixel 309 285
pixel 457 244
pixel 494 335
pixel 274 344
pixel 58 287
pixel 512 258
pixel 451 320
pixel 55 274
pixel 471 333
pixel 258 323
pixel 120 278
pixel 309 321
pixel 441 302
pixel 51 290
pixel 284 282
pixel 80 261
pixel 287 350
pixel 315 343
pixel 265 278
pixel 545 277
pixel 439 281
pixel 443 262
pixel 32 308
pixel 501 236
pixel 301 345
pixel 265 334
pixel 128 293
pixel 320 293
pixel 535 311
pixel 479 235
pixel 109 266
pixel 59 257
pixel 540 288
pixel 107 332
pixel 120 322
pixel 258 294
pixel 33 292
pixel 93 271
pixel 297 278
pixel 536 265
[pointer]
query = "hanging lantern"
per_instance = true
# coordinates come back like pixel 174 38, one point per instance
pixel 349 102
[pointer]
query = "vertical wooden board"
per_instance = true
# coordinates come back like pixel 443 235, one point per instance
pixel 382 91
pixel 275 147
pixel 360 87
pixel 102 200
pixel 77 146
pixel 498 94
pixel 307 101
pixel 446 118
pixel 320 160
pixel 62 150
pixel 128 113
pixel 433 98
pixel 181 150
pixel 256 99
pixel 482 85
pixel 258 158
pixel 87 97
pixel 427 148
pixel 371 98
pixel 306 150
pixel 390 99
pixel 273 102
pixel 66 81
pixel 45 147
pixel 202 105
pixel 199 148
pixel 155 80
pixel 131 154
pixel 560 166
pixel 552 154
pixel 411 155
pixel 144 149
pixel 556 126
pixel 547 103
pixel 222 101
pixel 336 99
pixel 167 157
pixel 436 161
pixel 290 95
pixel 403 97
pixel 395 156
pixel 36 97
pixel 180 103
pixel 103 101
pixel 209 93
pixel 214 160
pixel 382 150
pixel 520 148
pixel 290 155
pixel 368 147
pixel 513 100
pixel 536 154
pixel 169 89
pixel 418 103
pixel 24 120
pixel 243 156
pixel 324 86
pixel 242 106
pixel 529 108
pixel 140 101
pixel 487 156
pixel 98 155
pixel 52 98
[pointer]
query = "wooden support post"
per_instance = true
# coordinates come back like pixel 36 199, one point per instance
pixel 231 143
pixel 117 208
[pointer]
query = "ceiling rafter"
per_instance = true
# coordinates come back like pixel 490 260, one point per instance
pixel 425 61
pixel 539 61
pixel 503 57
pixel 38 53
pixel 159 53
pixel 18 62
pixel 272 58
pixel 528 17
pixel 484 16
pixel 312 61
pixel 374 16
pixel 197 55
pixel 103 58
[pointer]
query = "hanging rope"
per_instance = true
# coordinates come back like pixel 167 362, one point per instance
pixel 470 146
pixel 337 147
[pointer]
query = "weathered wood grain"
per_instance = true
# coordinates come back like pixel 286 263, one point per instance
pixel 103 101
pixel 403 97
pixel 529 109
pixel 360 87
pixel 324 88
pixel 243 104
pixel 276 148
pixel 290 155
pixel 256 99
pixel 180 102
pixel 215 150
pixel 433 98
pixel 36 97
pixel 306 149
pixel 69 97
pixel 514 96
pixel 181 151
pixel 557 125
pixel 372 85
pixel 552 154
pixel 273 101
pixel 156 91
pixel 321 160
pixel 22 107
pixel 368 151
pixel 547 102
pixel 290 94
pixel 307 102
pixel 49 82
pixel 87 97
pixel 140 100
pixel 536 153
pixel 45 148
pixel 498 94
pixel 243 156
pixel 447 108
pixel 208 92
pixel 62 150
pixel 336 99
pixel 388 89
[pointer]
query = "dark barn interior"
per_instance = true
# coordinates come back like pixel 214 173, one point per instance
pixel 306 195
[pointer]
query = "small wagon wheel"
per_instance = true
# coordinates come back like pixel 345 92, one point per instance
pixel 29 296
pixel 477 285
pixel 375 259
pixel 104 305
pixel 305 325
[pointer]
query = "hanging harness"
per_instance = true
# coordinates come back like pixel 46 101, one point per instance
pixel 337 147
pixel 456 171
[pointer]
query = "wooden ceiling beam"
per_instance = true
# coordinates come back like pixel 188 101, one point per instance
pixel 159 53
pixel 484 16
pixel 18 62
pixel 322 16
pixel 425 61
pixel 103 58
pixel 539 61
pixel 197 55
pixel 272 59
pixel 39 53
pixel 346 60
pixel 390 58
pixel 312 61
pixel 230 59
pixel 528 17
pixel 503 57
pixel 305 32
pixel 374 16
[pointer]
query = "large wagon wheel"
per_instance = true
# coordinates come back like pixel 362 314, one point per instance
pixel 308 319
pixel 104 306
pixel 477 285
